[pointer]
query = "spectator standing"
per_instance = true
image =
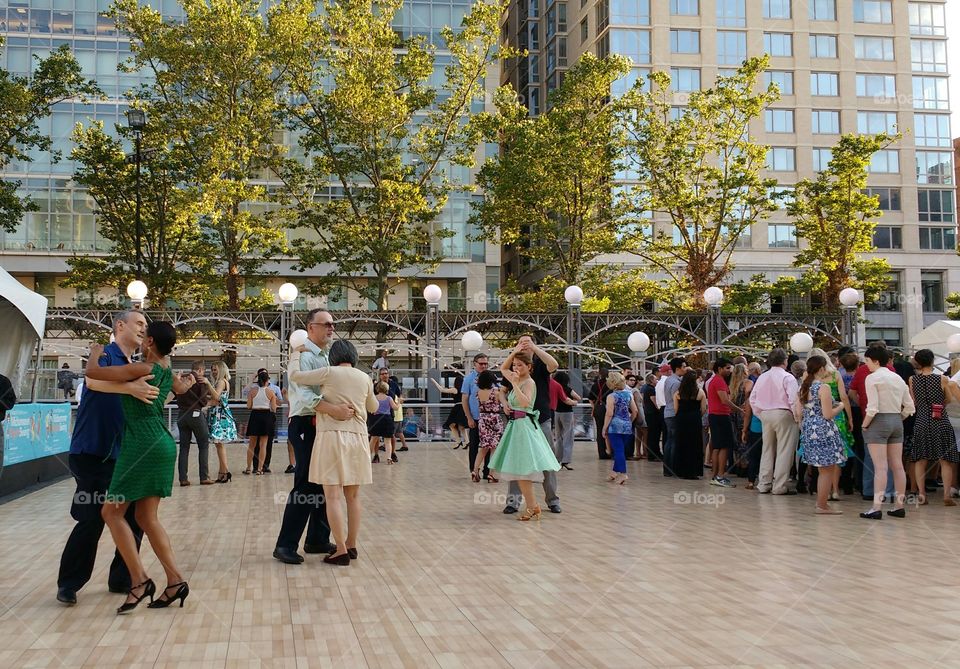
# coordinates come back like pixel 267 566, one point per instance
pixel 192 422
pixel 774 401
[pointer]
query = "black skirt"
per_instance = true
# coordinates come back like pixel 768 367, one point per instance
pixel 261 423
pixel 456 416
pixel 380 425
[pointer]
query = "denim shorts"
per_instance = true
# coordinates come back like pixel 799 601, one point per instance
pixel 885 428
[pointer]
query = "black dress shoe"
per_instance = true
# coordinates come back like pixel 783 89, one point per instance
pixel 554 508
pixel 352 552
pixel 897 513
pixel 319 548
pixel 340 560
pixel 66 596
pixel 509 509
pixel 288 556
pixel 872 515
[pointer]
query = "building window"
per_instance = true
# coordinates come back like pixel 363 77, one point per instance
pixel 778 44
pixel 887 300
pixel 776 9
pixel 584 29
pixel 927 18
pixel 886 161
pixel 825 122
pixel 635 44
pixel 823 46
pixel 630 12
pixel 876 86
pixel 781 236
pixel 561 52
pixel 337 299
pixel 888 237
pixel 562 17
pixel 47 286
pixel 685 79
pixel 873 11
pixel 938 239
pixel 731 47
pixel 781 159
pixel 824 83
pixel 535 35
pixel 684 41
pixel 603 16
pixel 934 167
pixel 732 13
pixel 890 336
pixel 873 48
pixel 936 206
pixel 534 69
pixel 778 120
pixel 931 286
pixel 931 93
pixel 534 101
pixel 888 199
pixel 783 80
pixel 821 159
pixel 928 55
pixel 493 289
pixel 685 7
pixel 872 123
pixel 822 10
pixel 932 130
pixel 627 81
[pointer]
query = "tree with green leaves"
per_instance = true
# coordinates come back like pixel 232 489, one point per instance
pixel 177 259
pixel 23 102
pixel 215 84
pixel 836 220
pixel 699 168
pixel 382 136
pixel 549 194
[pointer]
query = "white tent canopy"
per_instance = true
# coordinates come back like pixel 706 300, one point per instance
pixel 24 315
pixel 935 337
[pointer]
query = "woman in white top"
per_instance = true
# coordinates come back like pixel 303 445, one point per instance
pixel 889 402
pixel 340 461
pixel 262 403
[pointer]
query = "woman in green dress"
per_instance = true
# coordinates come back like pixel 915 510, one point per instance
pixel 144 469
pixel 523 454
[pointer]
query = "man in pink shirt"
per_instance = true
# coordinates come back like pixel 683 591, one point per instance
pixel 774 401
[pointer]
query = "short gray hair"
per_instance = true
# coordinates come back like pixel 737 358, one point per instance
pixel 123 317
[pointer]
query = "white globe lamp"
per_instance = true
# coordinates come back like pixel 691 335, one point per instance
pixel 638 342
pixel 288 293
pixel 432 294
pixel 801 342
pixel 713 296
pixel 137 290
pixel 471 340
pixel 573 295
pixel 849 297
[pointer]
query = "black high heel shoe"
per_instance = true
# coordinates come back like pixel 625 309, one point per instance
pixel 163 601
pixel 149 590
pixel 225 478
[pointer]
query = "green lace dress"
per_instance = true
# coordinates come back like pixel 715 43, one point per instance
pixel 148 453
pixel 841 419
pixel 523 453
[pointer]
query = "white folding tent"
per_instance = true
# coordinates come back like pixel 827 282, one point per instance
pixel 24 315
pixel 934 337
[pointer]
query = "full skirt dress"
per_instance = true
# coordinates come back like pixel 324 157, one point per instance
pixel 523 453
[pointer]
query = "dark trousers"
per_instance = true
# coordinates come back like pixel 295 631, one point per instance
pixel 473 449
pixel 93 476
pixel 669 446
pixel 601 442
pixel 754 451
pixel 306 509
pixel 654 434
pixel 190 427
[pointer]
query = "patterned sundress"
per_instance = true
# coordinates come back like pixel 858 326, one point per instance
pixel 822 444
pixel 220 421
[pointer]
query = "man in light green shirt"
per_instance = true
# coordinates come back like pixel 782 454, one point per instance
pixel 305 505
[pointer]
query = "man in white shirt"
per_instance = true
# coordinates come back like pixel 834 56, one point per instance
pixel 381 362
pixel 665 372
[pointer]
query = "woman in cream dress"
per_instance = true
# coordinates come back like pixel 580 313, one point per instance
pixel 340 460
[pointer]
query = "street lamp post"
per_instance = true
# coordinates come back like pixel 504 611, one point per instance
pixel 137 121
pixel 137 292
pixel 801 343
pixel 288 296
pixel 574 298
pixel 432 295
pixel 638 343
pixel 713 296
pixel 850 305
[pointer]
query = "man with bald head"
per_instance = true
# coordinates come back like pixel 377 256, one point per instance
pixel 94 447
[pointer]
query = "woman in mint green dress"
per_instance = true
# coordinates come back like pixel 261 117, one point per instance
pixel 144 469
pixel 523 453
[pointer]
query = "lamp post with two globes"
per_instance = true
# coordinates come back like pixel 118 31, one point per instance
pixel 432 294
pixel 574 298
pixel 288 296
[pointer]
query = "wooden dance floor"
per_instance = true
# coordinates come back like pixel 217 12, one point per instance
pixel 652 574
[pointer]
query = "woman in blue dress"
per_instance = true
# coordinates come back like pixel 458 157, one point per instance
pixel 523 453
pixel 823 445
pixel 222 426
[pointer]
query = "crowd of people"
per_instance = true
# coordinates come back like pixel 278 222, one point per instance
pixel 829 424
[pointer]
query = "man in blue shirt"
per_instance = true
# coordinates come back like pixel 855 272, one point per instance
pixel 94 447
pixel 471 407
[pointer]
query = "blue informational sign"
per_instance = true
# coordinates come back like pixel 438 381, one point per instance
pixel 33 431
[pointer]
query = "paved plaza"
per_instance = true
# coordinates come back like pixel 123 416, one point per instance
pixel 657 573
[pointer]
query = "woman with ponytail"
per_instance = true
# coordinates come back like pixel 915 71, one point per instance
pixel 823 446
